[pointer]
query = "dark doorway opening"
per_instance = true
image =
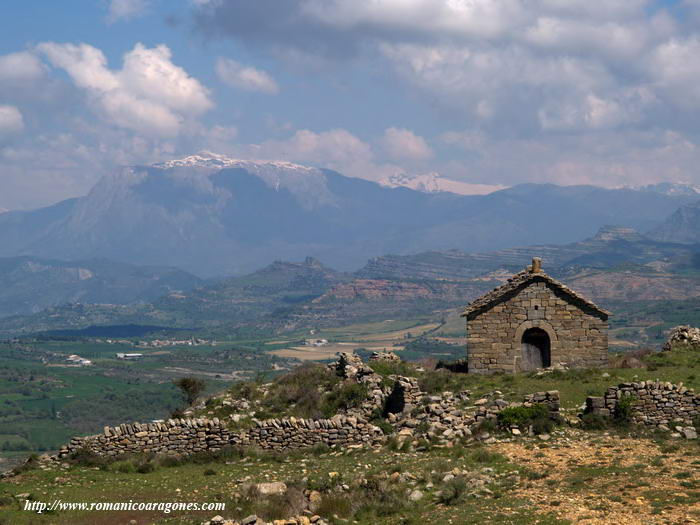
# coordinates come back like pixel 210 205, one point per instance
pixel 536 349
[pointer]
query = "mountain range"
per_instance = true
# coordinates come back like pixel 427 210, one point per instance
pixel 211 215
pixel 616 265
pixel 30 284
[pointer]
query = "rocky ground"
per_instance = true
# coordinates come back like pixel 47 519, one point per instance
pixel 568 476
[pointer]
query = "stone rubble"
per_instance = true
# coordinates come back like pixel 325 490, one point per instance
pixel 443 419
pixel 683 334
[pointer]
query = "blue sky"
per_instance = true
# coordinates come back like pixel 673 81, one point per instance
pixel 489 93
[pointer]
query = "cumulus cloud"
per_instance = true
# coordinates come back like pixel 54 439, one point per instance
pixel 11 120
pixel 126 9
pixel 150 94
pixel 20 68
pixel 236 75
pixel 530 67
pixel 403 144
pixel 337 149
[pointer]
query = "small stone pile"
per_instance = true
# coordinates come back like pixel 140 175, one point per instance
pixel 350 366
pixel 449 417
pixel 683 334
pixel 655 403
pixel 385 356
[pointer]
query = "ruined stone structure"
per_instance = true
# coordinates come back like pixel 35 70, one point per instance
pixel 654 403
pixel 442 417
pixel 534 321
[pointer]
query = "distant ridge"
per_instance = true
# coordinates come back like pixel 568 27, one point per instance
pixel 213 215
pixel 682 227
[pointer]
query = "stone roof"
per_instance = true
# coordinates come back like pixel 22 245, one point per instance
pixel 519 281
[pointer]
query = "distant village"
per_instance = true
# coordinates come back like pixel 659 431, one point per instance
pixel 158 343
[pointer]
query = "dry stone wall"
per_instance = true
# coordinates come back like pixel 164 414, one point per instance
pixel 656 403
pixel 405 405
pixel 188 436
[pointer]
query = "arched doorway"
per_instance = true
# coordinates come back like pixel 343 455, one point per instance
pixel 536 348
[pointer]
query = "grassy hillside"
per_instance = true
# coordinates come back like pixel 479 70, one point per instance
pixel 622 474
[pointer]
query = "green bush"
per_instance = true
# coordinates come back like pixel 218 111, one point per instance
pixel 85 457
pixel 299 393
pixel 453 491
pixel 537 416
pixel 349 395
pixel 593 421
pixel 125 467
pixel 146 467
pixel 378 498
pixel 624 409
pixel 31 463
pixel 335 504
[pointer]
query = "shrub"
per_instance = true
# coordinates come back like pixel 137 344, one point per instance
pixel 85 457
pixel 320 448
pixel 335 504
pixel 378 498
pixel 383 425
pixel 146 467
pixel 275 506
pixel 125 467
pixel 210 472
pixel 537 416
pixel 248 390
pixel 31 463
pixel 349 395
pixel 486 425
pixel 624 409
pixel 453 491
pixel 191 388
pixel 435 381
pixel 388 368
pixel 299 392
pixel 593 421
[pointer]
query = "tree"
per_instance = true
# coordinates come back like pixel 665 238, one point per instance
pixel 191 387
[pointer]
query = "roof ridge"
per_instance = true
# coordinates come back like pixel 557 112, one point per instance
pixel 524 276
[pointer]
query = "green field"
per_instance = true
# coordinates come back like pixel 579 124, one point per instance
pixel 44 400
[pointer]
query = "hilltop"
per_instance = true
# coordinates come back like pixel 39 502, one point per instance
pixel 464 450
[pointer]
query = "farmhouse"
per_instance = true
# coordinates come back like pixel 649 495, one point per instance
pixel 534 321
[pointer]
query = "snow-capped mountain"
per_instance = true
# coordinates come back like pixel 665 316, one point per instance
pixel 213 215
pixel 434 183
pixel 305 183
pixel 207 159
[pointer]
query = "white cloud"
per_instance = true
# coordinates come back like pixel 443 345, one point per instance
pixel 149 95
pixel 11 120
pixel 236 75
pixel 675 68
pixel 126 9
pixel 20 68
pixel 403 144
pixel 336 148
pixel 151 74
